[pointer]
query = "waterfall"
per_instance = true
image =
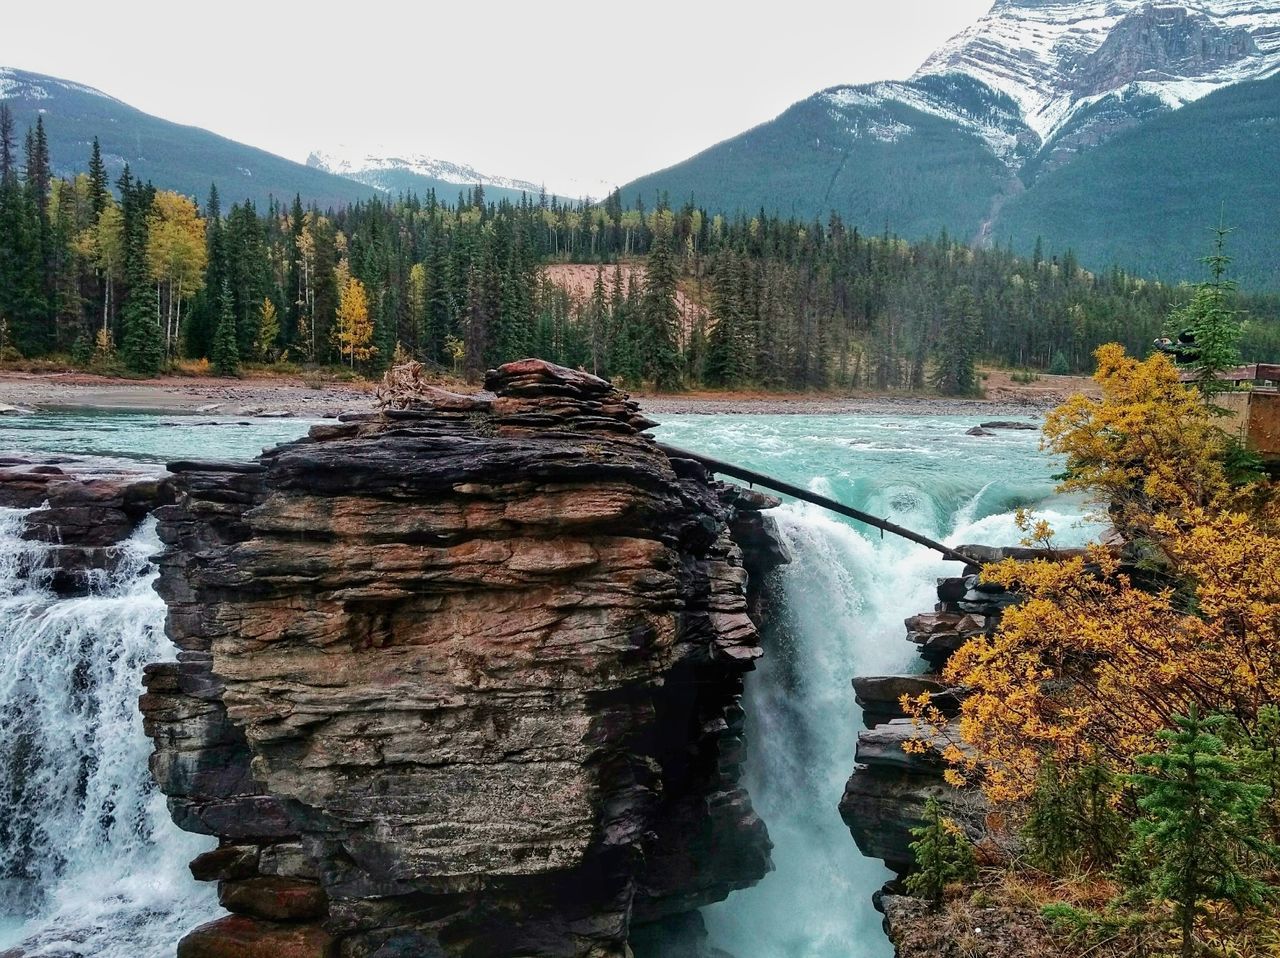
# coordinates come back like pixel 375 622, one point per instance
pixel 844 599
pixel 93 866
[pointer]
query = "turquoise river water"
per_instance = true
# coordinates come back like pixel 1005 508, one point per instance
pixel 94 867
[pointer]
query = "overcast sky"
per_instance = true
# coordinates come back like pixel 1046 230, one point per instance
pixel 564 92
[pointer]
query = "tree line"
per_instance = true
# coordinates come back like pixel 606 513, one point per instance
pixel 122 275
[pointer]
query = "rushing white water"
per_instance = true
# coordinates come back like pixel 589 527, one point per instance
pixel 845 596
pixel 92 866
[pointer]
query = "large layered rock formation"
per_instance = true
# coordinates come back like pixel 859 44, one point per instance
pixel 460 678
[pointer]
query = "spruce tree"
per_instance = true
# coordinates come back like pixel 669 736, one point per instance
pixel 8 170
pixel 98 188
pixel 226 350
pixel 943 855
pixel 955 374
pixel 661 311
pixel 143 347
pixel 1212 319
pixel 1201 830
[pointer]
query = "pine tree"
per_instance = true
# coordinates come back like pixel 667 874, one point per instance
pixel 661 311
pixel 98 180
pixel 957 348
pixel 1201 828
pixel 1212 320
pixel 8 169
pixel 226 349
pixel 943 855
pixel 142 348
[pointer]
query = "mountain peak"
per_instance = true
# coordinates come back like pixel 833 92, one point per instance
pixel 1054 56
pixel 372 165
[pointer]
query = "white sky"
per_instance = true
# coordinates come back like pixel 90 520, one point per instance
pixel 565 92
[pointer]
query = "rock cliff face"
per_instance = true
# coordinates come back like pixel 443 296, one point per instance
pixel 886 795
pixel 460 678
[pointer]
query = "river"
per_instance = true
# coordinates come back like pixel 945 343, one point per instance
pixel 92 865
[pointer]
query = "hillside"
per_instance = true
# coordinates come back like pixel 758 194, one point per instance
pixel 861 151
pixel 173 156
pixel 1145 199
pixel 1029 123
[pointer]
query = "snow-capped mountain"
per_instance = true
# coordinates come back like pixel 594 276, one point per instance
pixel 1038 111
pixel 395 171
pixel 372 167
pixel 1056 57
pixel 1057 75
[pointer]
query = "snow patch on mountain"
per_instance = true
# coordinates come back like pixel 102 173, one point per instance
pixel 997 127
pixel 1049 55
pixel 358 164
pixel 22 84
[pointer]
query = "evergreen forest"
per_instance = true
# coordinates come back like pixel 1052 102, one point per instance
pixel 122 277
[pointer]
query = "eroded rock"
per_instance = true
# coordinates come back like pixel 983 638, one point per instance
pixel 469 670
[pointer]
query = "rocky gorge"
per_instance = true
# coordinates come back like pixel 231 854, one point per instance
pixel 461 677
pixel 464 676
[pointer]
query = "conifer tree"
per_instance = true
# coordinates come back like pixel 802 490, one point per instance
pixel 661 311
pixel 1212 319
pixel 8 170
pixel 142 348
pixel 98 179
pixel 226 349
pixel 957 348
pixel 1201 831
pixel 943 855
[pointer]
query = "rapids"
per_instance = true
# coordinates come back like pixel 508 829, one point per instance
pixel 90 864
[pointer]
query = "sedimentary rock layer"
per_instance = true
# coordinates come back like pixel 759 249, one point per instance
pixel 460 678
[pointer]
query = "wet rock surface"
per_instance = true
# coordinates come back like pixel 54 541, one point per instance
pixel 81 512
pixel 461 678
pixel 886 795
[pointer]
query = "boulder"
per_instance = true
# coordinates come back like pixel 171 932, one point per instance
pixel 468 673
pixel 238 936
pixel 274 899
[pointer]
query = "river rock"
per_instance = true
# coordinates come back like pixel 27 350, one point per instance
pixel 474 671
pixel 238 936
pixel 978 431
pixel 886 795
pixel 81 519
pixel 1009 424
pixel 880 696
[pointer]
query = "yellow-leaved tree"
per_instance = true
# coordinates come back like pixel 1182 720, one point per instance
pixel 354 329
pixel 176 257
pixel 1093 664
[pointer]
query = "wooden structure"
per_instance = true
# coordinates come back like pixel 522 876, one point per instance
pixel 796 492
pixel 1253 410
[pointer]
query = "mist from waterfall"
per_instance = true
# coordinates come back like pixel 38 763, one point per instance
pixel 93 865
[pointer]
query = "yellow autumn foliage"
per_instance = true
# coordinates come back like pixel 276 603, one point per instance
pixel 1092 663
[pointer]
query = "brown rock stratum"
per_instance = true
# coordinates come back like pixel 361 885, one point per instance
pixel 460 678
